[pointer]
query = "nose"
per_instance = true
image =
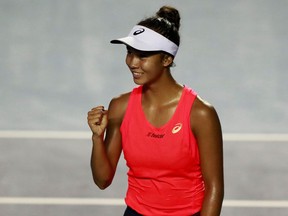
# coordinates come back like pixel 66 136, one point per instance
pixel 132 61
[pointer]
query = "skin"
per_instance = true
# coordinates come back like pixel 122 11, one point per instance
pixel 161 94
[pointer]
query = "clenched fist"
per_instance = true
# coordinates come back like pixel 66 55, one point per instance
pixel 97 120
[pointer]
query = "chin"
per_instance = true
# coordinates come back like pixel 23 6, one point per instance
pixel 138 82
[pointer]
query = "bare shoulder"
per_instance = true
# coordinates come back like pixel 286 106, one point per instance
pixel 203 115
pixel 118 105
pixel 202 108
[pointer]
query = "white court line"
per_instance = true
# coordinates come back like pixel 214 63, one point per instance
pixel 256 203
pixel 120 202
pixel 45 134
pixel 60 201
pixel 254 137
pixel 263 137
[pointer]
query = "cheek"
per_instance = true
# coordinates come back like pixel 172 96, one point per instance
pixel 127 60
pixel 152 65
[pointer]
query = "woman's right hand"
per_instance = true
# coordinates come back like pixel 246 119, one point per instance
pixel 97 120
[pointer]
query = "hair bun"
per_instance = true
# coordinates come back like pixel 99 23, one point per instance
pixel 171 14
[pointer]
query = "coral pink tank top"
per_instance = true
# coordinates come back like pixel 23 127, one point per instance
pixel 164 176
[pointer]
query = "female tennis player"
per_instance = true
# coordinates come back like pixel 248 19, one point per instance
pixel 170 137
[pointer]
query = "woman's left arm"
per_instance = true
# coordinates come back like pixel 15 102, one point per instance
pixel 207 130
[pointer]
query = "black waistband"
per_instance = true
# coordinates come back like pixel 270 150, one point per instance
pixel 131 212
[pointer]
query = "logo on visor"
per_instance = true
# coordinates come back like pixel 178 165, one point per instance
pixel 139 31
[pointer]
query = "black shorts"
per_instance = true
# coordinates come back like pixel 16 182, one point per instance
pixel 131 212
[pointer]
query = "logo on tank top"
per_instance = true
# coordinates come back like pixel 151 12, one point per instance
pixel 154 135
pixel 177 128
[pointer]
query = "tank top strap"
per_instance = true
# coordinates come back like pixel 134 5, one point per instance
pixel 186 103
pixel 133 105
pixel 135 97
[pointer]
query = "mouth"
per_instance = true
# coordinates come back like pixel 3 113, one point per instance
pixel 136 75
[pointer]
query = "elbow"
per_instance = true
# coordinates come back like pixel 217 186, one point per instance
pixel 221 191
pixel 103 183
pixel 219 195
pixel 216 191
pixel 102 186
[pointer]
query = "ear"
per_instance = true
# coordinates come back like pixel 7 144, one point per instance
pixel 167 60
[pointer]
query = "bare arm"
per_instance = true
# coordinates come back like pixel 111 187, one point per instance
pixel 207 129
pixel 106 151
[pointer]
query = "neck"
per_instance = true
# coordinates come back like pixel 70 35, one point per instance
pixel 162 93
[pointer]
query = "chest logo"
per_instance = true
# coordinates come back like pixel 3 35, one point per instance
pixel 177 128
pixel 154 135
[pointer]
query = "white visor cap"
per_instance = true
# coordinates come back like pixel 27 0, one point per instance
pixel 145 39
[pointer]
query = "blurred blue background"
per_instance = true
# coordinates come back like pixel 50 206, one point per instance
pixel 56 61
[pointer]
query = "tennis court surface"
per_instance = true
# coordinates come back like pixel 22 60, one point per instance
pixel 48 174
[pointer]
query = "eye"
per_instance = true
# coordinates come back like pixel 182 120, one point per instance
pixel 143 55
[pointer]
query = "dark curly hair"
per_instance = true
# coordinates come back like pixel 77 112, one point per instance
pixel 166 22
